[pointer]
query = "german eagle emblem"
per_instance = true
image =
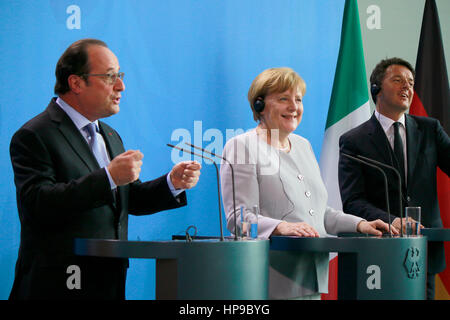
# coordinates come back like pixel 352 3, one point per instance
pixel 411 263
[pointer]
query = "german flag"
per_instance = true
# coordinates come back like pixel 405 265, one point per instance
pixel 432 99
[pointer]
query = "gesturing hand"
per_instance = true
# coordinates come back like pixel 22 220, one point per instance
pixel 126 167
pixel 185 175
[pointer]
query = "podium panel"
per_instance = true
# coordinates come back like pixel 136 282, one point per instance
pixel 436 234
pixel 371 268
pixel 202 269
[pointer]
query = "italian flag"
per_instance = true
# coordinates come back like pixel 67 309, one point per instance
pixel 349 107
pixel 432 98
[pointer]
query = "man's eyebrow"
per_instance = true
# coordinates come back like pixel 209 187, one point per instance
pixel 400 76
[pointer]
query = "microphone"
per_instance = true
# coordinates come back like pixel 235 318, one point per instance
pixel 218 184
pixel 385 183
pixel 400 195
pixel 232 183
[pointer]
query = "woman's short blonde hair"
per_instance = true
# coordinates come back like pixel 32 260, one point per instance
pixel 273 80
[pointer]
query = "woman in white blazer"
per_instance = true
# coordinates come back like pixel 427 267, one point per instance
pixel 277 171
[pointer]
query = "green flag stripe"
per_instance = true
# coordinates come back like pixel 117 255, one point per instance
pixel 350 82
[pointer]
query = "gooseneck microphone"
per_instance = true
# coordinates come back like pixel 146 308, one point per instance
pixel 232 184
pixel 218 184
pixel 400 196
pixel 385 182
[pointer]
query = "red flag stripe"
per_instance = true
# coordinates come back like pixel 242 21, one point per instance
pixel 432 98
pixel 417 107
pixel 443 186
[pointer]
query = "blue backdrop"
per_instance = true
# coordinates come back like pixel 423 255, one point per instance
pixel 188 66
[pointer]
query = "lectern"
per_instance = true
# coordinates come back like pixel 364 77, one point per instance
pixel 202 269
pixel 436 234
pixel 370 268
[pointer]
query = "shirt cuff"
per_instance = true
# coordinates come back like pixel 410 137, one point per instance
pixel 111 181
pixel 172 188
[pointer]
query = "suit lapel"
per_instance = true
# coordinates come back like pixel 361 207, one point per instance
pixel 115 147
pixel 112 140
pixel 78 142
pixel 379 140
pixel 72 135
pixel 413 142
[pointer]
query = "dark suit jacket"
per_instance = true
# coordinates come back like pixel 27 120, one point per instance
pixel 62 194
pixel 362 187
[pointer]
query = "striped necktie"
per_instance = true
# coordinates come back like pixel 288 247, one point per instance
pixel 96 147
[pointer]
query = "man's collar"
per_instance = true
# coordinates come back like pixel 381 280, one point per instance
pixel 386 122
pixel 78 119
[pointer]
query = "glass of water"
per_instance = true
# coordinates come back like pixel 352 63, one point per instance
pixel 412 221
pixel 251 223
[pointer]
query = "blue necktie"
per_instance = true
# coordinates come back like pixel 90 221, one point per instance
pixel 99 152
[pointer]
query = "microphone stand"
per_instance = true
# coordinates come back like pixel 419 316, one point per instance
pixel 399 186
pixel 232 184
pixel 385 184
pixel 218 184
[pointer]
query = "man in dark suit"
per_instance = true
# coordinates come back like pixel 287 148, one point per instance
pixel 75 183
pixel 415 146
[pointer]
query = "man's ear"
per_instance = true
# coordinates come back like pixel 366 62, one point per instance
pixel 76 83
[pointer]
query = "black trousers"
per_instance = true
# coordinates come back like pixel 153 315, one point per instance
pixel 431 285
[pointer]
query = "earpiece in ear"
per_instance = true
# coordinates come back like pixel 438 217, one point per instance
pixel 374 89
pixel 259 104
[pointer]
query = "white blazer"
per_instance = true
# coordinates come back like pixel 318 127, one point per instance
pixel 286 187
